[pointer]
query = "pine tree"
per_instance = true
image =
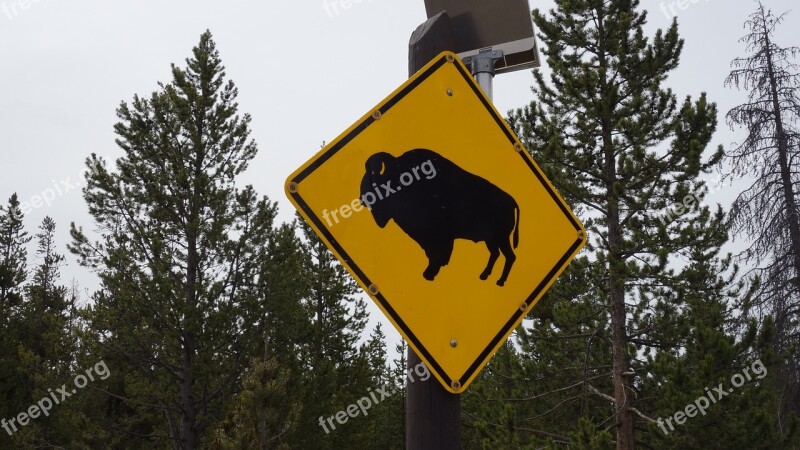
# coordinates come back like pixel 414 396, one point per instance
pixel 766 213
pixel 338 373
pixel 713 346
pixel 45 299
pixel 339 316
pixel 13 254
pixel 283 289
pixel 179 255
pixel 383 432
pixel 47 346
pixel 374 350
pixel 565 356
pixel 263 413
pixel 287 321
pixel 624 150
pixel 13 273
pixel 398 376
pixel 494 407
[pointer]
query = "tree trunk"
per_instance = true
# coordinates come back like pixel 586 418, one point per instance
pixel 188 404
pixel 188 407
pixel 786 175
pixel 616 293
pixel 616 282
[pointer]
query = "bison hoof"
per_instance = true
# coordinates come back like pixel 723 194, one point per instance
pixel 484 276
pixel 429 275
pixel 501 282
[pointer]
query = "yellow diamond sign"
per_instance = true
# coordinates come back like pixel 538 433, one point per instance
pixel 436 209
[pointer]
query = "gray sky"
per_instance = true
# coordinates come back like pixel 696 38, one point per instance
pixel 304 72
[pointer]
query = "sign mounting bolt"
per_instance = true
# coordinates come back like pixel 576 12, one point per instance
pixel 518 147
pixel 449 58
pixel 454 343
pixel 293 187
pixel 377 115
pixel 456 385
pixel 373 289
pixel 523 307
pixel 449 92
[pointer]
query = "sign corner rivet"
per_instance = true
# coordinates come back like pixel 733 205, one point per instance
pixel 377 115
pixel 373 289
pixel 292 187
pixel 456 385
pixel 450 58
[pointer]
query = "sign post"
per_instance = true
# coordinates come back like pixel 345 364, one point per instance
pixel 433 415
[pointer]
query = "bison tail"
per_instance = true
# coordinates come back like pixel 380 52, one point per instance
pixel 516 227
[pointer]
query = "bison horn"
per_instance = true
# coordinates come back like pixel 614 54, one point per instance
pixel 379 162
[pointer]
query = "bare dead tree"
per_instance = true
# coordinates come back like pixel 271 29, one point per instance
pixel 766 213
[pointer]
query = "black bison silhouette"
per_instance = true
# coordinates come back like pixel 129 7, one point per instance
pixel 436 202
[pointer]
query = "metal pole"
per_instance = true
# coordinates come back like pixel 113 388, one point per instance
pixel 482 66
pixel 433 415
pixel 486 81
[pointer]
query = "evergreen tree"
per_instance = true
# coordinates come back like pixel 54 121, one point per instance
pixel 46 344
pixel 383 431
pixel 338 373
pixel 712 347
pixel 284 289
pixel 565 358
pixel 13 255
pixel 287 321
pixel 46 306
pixel 178 312
pixel 397 404
pixel 263 412
pixel 339 316
pixel 630 156
pixel 494 407
pixel 374 351
pixel 13 273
